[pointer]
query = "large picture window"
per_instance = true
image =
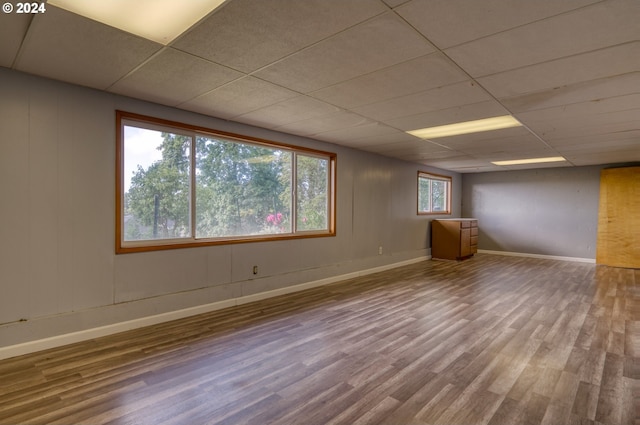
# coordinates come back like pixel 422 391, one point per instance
pixel 182 186
pixel 434 194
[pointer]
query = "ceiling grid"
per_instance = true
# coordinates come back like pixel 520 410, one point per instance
pixel 361 73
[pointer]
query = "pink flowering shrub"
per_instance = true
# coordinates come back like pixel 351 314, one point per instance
pixel 276 223
pixel 274 219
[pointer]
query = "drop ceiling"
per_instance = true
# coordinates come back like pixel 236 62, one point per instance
pixel 360 73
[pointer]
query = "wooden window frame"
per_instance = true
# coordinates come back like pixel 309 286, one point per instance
pixel 437 177
pixel 122 246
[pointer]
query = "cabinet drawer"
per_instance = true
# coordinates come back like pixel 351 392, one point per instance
pixel 474 240
pixel 474 231
pixel 465 243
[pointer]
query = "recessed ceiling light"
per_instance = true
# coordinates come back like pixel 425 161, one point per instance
pixel 466 127
pixel 529 161
pixel 156 20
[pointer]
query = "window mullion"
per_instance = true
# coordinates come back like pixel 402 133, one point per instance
pixel 430 195
pixel 294 192
pixel 192 186
pixel 329 190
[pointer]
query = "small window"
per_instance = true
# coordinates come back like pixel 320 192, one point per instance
pixel 183 186
pixel 434 194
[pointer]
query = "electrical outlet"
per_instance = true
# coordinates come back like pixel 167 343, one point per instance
pixel 255 269
pixel 380 250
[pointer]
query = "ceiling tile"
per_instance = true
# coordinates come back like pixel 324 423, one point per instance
pixel 386 138
pixel 505 149
pixel 597 139
pixel 450 22
pixel 553 38
pixel 586 114
pixel 626 143
pixel 173 77
pixel 395 3
pixel 602 124
pixel 446 97
pixel 483 168
pixel 373 45
pixel 247 35
pixel 335 121
pixel 533 152
pixel 423 73
pixel 612 116
pixel 413 148
pixel 575 93
pixel 514 139
pixel 583 111
pixel 358 135
pixel 13 28
pixel 238 97
pixel 598 64
pixel 461 163
pixel 618 154
pixel 288 111
pixel 68 47
pixel 474 111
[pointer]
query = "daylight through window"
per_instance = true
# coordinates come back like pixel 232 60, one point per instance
pixel 434 194
pixel 183 186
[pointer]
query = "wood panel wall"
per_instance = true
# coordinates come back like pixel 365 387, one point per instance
pixel 619 218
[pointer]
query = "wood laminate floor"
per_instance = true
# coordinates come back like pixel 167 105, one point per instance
pixel 492 340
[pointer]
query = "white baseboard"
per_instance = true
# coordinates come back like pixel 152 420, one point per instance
pixel 73 337
pixel 545 257
pixel 308 285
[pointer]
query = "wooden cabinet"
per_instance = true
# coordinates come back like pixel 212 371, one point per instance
pixel 454 239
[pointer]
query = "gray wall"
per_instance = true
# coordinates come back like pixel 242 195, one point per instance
pixel 549 211
pixel 58 270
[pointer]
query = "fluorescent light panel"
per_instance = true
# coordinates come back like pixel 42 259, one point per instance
pixel 477 126
pixel 529 161
pixel 156 20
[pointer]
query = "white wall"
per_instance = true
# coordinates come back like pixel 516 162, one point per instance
pixel 58 270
